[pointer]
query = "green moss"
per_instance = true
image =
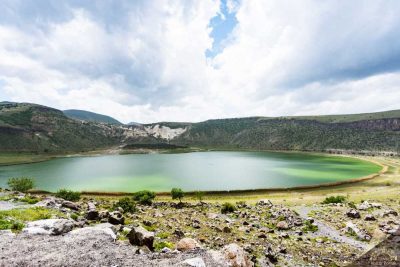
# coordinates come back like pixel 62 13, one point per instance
pixel 31 214
pixel 159 245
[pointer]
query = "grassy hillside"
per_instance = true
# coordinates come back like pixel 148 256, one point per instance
pixel 30 127
pixel 34 128
pixel 90 116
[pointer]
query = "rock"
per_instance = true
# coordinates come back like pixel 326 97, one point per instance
pixel 187 244
pixel 364 205
pixel 386 213
pixel 179 233
pixel 166 250
pixel 70 205
pixel 353 229
pixel 116 218
pixel 227 229
pixel 196 225
pixel 141 237
pixel 282 225
pixel 353 214
pixel 104 232
pixel 264 202
pixel 284 235
pixel 49 202
pixel 235 256
pixel 369 217
pixel 143 250
pixel 194 262
pixel 6 233
pixel 49 227
pixel 104 214
pixel 92 213
pixel 271 255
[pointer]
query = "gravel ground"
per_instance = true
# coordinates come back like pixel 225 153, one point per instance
pixel 84 250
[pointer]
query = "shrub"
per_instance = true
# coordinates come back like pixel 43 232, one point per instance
pixel 21 184
pixel 334 199
pixel 228 208
pixel 199 195
pixel 144 197
pixel 177 193
pixel 74 216
pixel 126 203
pixel 68 195
pixel 309 227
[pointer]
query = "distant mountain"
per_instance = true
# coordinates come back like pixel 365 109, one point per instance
pixel 89 116
pixel 132 123
pixel 35 128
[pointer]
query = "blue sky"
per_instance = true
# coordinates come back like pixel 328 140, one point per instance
pixel 186 60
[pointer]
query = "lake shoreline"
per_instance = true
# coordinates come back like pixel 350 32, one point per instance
pixel 300 188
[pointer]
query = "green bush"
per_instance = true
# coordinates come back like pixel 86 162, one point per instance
pixel 21 184
pixel 126 203
pixel 334 199
pixel 144 197
pixel 309 227
pixel 177 193
pixel 68 195
pixel 228 208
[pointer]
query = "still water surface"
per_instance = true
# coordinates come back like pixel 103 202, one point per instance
pixel 189 171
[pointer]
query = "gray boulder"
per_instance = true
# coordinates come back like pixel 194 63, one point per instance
pixel 49 227
pixel 141 237
pixel 116 218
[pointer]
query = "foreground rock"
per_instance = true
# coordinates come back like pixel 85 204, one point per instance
pixel 141 237
pixel 49 227
pixel 90 246
pixel 233 255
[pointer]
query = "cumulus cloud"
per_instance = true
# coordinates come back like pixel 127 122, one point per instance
pixel 146 61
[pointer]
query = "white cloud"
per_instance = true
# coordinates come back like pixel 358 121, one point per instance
pixel 149 63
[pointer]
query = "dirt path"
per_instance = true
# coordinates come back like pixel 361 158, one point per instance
pixel 326 230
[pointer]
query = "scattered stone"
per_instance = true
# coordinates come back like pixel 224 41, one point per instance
pixel 194 262
pixel 369 217
pixel 282 225
pixel 92 213
pixel 351 228
pixel 353 214
pixel 143 250
pixel 141 237
pixel 179 233
pixel 264 202
pixel 116 218
pixel 186 244
pixel 227 229
pixel 386 213
pixel 166 250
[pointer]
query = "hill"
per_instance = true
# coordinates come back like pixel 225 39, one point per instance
pixel 30 127
pixel 90 116
pixel 36 128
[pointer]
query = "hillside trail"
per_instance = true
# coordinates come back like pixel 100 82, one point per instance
pixel 328 231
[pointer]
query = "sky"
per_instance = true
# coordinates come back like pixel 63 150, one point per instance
pixel 149 61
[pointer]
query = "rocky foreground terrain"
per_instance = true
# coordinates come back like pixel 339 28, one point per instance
pixel 93 232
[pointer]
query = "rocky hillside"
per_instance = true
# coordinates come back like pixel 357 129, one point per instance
pixel 30 127
pixel 104 232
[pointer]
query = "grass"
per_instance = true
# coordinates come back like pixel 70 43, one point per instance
pixel 21 158
pixel 30 214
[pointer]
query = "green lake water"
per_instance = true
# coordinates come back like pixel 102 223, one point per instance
pixel 189 171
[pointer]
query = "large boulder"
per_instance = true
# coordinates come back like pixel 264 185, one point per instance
pixel 49 227
pixel 101 231
pixel 141 237
pixel 186 244
pixel 194 262
pixel 232 255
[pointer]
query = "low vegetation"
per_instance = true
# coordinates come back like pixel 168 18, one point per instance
pixel 126 203
pixel 68 195
pixel 228 208
pixel 334 199
pixel 21 184
pixel 144 197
